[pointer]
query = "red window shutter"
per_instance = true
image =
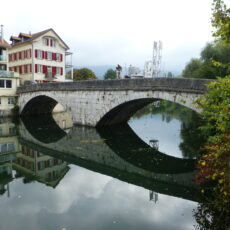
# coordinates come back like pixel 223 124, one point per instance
pixel 61 70
pixel 25 54
pixel 36 53
pixel 36 68
pixel 20 55
pixel 55 56
pixel 29 53
pixel 47 41
pixel 51 42
pixel 30 68
pixel 43 69
pixel 61 57
pixel 20 69
pixel 46 56
pixel 54 69
pixel 43 54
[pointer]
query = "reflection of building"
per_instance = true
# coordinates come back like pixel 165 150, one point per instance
pixel 9 148
pixel 33 165
pixel 153 196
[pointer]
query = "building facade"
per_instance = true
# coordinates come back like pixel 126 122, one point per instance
pixel 39 57
pixel 9 81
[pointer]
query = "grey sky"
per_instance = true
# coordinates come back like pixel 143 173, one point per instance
pixel 108 32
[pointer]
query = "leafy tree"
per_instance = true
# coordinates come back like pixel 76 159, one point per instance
pixel 208 65
pixel 191 69
pixel 221 21
pixel 83 74
pixel 110 74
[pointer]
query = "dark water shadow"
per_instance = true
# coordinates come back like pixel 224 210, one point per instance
pixel 125 143
pixel 43 128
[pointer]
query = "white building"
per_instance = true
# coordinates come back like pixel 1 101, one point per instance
pixel 40 57
pixel 134 72
pixel 9 81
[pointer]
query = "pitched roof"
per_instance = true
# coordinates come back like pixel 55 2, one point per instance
pixel 15 38
pixel 4 43
pixel 25 35
pixel 36 35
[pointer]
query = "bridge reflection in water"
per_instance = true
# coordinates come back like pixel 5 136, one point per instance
pixel 117 152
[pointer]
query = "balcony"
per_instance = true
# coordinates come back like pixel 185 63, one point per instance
pixel 50 76
pixel 10 74
pixel 3 58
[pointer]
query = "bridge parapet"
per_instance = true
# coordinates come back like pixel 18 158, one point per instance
pixel 160 84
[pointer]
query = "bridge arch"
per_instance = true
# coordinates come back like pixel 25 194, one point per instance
pixel 99 103
pixel 41 104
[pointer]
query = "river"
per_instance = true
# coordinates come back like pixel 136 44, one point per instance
pixel 138 175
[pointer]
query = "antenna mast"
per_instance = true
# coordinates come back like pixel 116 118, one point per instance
pixel 157 57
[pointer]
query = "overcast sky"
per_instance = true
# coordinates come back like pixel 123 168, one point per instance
pixel 108 32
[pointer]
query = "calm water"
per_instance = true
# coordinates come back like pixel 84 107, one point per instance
pixel 136 176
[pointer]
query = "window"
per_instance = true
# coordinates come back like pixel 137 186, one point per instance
pixel 58 71
pixel 10 100
pixel 5 83
pixel 52 42
pixel 58 57
pixel 2 83
pixel 40 54
pixel 23 55
pixel 8 83
pixel 46 41
pixel 39 68
pixel 7 147
pixel 49 55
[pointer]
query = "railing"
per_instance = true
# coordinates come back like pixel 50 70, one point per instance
pixel 4 73
pixel 50 75
pixel 3 58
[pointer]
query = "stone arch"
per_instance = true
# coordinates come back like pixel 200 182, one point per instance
pixel 121 110
pixel 41 104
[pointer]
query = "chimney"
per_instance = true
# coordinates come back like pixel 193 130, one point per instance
pixel 1 33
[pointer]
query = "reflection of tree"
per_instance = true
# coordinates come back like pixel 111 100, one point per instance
pixel 209 217
pixel 192 137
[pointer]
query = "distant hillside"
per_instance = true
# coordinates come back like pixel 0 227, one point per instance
pixel 98 70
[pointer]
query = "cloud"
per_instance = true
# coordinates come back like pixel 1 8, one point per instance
pixel 110 32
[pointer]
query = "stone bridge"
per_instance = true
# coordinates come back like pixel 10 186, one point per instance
pixel 107 102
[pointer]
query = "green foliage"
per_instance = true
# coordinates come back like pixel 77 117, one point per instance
pixel 83 74
pixel 208 65
pixel 221 21
pixel 191 69
pixel 214 164
pixel 110 74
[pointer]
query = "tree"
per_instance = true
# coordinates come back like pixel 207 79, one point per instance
pixel 208 65
pixel 221 21
pixel 191 69
pixel 110 74
pixel 83 74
